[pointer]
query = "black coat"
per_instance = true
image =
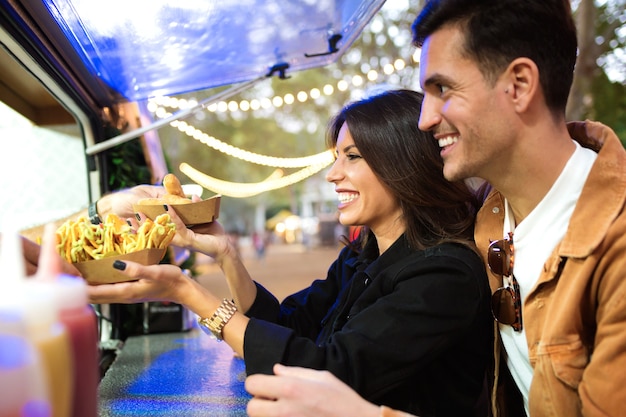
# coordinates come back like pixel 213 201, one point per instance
pixel 409 329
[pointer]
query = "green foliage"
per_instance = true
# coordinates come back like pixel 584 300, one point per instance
pixel 610 105
pixel 125 164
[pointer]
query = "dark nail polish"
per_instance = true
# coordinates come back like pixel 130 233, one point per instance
pixel 165 207
pixel 138 217
pixel 129 223
pixel 121 265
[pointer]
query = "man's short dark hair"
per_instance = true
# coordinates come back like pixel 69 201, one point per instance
pixel 498 31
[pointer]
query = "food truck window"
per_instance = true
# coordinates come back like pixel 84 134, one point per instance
pixel 44 178
pixel 42 163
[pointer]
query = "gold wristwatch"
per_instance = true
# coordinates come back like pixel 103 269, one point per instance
pixel 214 325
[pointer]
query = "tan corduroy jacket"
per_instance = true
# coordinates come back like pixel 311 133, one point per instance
pixel 575 316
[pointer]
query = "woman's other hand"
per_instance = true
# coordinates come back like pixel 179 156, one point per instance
pixel 208 238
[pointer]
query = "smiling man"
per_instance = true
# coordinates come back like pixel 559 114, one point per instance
pixel 496 76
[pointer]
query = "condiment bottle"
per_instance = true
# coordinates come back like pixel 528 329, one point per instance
pixel 23 388
pixel 44 330
pixel 23 391
pixel 79 319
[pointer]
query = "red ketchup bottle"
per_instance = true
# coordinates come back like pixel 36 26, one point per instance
pixel 79 319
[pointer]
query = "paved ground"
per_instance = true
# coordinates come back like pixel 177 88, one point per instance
pixel 284 270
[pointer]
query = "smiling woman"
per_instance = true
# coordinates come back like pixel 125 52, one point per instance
pixel 401 306
pixel 78 73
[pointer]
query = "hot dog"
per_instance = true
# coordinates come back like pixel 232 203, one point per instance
pixel 174 193
pixel 172 185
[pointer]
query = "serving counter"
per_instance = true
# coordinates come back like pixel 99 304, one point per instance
pixel 174 374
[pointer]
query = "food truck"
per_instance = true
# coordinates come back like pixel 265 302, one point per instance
pixel 76 81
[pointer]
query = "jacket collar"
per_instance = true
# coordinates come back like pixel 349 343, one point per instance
pixel 374 263
pixel 604 191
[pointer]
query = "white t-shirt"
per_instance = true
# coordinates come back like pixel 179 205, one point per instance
pixel 534 240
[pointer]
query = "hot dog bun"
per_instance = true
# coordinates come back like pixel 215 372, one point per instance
pixel 166 199
pixel 175 199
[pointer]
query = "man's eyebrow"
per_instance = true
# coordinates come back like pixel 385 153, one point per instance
pixel 436 79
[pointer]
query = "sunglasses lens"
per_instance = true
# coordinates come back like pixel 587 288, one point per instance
pixel 502 306
pixel 498 257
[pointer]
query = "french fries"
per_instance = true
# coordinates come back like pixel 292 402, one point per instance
pixel 79 240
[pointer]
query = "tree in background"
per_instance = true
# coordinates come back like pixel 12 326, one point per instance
pixel 598 90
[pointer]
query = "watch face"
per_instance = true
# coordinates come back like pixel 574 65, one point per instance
pixel 205 326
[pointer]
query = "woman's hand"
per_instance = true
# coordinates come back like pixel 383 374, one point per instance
pixel 161 282
pixel 301 392
pixel 164 282
pixel 209 238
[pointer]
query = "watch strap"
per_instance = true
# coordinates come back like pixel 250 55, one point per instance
pixel 215 324
pixel 92 212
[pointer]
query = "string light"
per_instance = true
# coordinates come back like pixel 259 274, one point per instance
pixel 278 101
pixel 272 161
pixel 241 190
pixel 310 164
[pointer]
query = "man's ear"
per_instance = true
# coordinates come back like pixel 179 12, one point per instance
pixel 523 84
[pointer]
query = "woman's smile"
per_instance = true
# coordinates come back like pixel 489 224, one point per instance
pixel 345 198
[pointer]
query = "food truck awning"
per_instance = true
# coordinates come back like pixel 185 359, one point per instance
pixel 122 50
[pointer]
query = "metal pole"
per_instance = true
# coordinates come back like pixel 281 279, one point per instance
pixel 125 137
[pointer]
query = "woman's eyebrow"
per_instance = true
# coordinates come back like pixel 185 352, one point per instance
pixel 347 148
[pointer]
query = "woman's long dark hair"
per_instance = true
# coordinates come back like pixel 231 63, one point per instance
pixel 407 161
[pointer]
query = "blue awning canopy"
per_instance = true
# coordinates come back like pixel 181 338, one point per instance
pixel 146 48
